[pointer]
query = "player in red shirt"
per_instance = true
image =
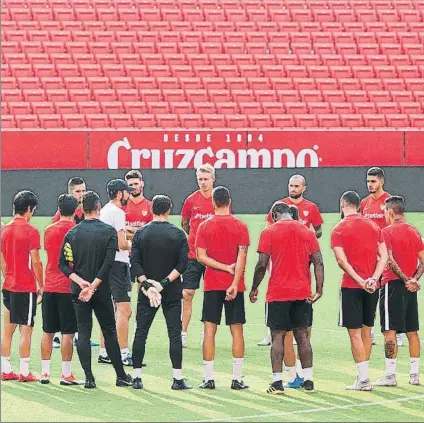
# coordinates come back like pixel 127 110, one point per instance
pixel 360 251
pixel 23 282
pixel 221 245
pixel 196 209
pixel 291 247
pixel 398 295
pixel 57 307
pixel 77 188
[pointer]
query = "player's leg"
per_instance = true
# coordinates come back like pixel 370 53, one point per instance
pixel 144 319
pixel 51 326
pixel 369 309
pixel 412 327
pixel 290 361
pixel 103 357
pixel 6 341
pixel 172 313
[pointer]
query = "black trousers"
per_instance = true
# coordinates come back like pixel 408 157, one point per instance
pixel 101 304
pixel 145 316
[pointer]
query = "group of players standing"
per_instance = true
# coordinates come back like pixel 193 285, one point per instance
pixel 101 250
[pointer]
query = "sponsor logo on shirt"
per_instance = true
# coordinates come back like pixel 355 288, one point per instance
pixel 374 215
pixel 136 223
pixel 202 216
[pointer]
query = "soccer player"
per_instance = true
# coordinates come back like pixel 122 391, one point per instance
pixel 372 207
pixel 58 310
pixel 291 247
pixel 361 253
pixel 398 295
pixel 77 188
pixel 87 256
pixel 20 241
pixel 196 209
pixel 158 258
pixel 221 245
pixel 118 192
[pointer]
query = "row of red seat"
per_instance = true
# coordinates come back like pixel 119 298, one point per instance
pixel 210 121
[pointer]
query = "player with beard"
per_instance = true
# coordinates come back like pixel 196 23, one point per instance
pixel 119 277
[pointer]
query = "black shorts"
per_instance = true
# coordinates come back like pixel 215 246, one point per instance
pixel 357 308
pixel 58 313
pixel 192 275
pixel 23 307
pixel 287 315
pixel 120 282
pixel 6 298
pixel 398 308
pixel 310 315
pixel 212 308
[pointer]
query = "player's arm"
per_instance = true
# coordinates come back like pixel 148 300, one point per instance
pixel 316 259
pixel 37 267
pixel 185 224
pixel 258 276
pixel 202 257
pixel 123 242
pixel 3 265
pixel 136 259
pixel 239 269
pixel 108 261
pixel 346 266
pixel 394 267
pixel 382 262
pixel 318 231
pixel 420 269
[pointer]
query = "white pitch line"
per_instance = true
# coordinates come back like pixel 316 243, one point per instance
pixel 313 410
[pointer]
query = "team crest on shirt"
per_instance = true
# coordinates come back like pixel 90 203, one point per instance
pixel 305 212
pixel 144 212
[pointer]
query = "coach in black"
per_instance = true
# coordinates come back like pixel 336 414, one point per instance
pixel 87 255
pixel 158 258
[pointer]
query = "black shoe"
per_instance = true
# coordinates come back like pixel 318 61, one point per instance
pixel 210 384
pixel 276 388
pixel 127 361
pixel 90 384
pixel 124 380
pixel 238 385
pixel 180 385
pixel 137 383
pixel 104 360
pixel 308 385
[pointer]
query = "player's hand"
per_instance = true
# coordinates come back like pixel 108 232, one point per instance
pixel 368 285
pixel 314 298
pixel 253 296
pixel 412 285
pixel 156 284
pixel 40 292
pixel 231 269
pixel 154 297
pixel 231 293
pixel 84 284
pixel 86 294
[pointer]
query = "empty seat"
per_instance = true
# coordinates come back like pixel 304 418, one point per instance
pixel 114 107
pixel 167 121
pixel 120 121
pixel 27 121
pixel 191 120
pixel 397 121
pixel 50 121
pixel 374 121
pixel 351 121
pixel 329 121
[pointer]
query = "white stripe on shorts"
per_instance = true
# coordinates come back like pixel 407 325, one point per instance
pixel 266 314
pixel 30 309
pixel 340 309
pixel 386 307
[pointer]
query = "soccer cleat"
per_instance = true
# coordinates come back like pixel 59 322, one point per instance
pixel 399 339
pixel 127 360
pixel 45 379
pixel 184 339
pixel 296 384
pixel 9 376
pixel 414 379
pixel 124 381
pixel 265 342
pixel 56 342
pixel 104 360
pixel 70 380
pixel 94 344
pixel 207 384
pixel 29 378
pixel 386 380
pixel 137 383
pixel 238 385
pixel 90 384
pixel 276 388
pixel 308 385
pixel 180 385
pixel 360 385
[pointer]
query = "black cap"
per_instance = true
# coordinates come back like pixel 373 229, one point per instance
pixel 119 185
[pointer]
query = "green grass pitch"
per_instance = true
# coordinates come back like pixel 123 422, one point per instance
pixel 333 370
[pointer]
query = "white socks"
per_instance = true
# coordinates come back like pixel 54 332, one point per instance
pixel 177 374
pixel 309 373
pixel 237 368
pixel 6 367
pixel 24 366
pixel 66 368
pixel 277 377
pixel 390 366
pixel 363 370
pixel 415 363
pixel 103 352
pixel 45 367
pixel 208 368
pixel 124 353
pixel 291 373
pixel 137 373
pixel 299 369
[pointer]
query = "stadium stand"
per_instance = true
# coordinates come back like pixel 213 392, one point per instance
pixel 212 63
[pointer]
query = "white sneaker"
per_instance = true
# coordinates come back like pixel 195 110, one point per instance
pixel 386 380
pixel 414 379
pixel 184 339
pixel 202 337
pixel 45 379
pixel 265 342
pixel 360 386
pixel 373 337
pixel 399 339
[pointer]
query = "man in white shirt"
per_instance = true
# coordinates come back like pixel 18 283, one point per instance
pixel 119 278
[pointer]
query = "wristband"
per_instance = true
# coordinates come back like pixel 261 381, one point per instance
pixel 164 282
pixel 145 285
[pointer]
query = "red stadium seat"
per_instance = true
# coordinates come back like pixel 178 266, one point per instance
pixel 410 108
pixel 397 121
pixel 66 108
pixel 374 121
pixel 417 121
pixel 329 121
pixel 202 108
pixel 197 96
pixel 88 107
pixel 120 121
pixel 214 121
pixel 113 107
pixel 43 108
pixel 191 120
pixel 297 108
pixel 167 121
pixel 283 121
pixel 19 108
pixel 181 108
pixel 7 122
pixel 50 121
pixel 27 121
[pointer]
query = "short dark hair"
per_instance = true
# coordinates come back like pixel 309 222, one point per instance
pixel 352 198
pixel 221 196
pixel 90 202
pixel 76 180
pixel 67 204
pixel 22 200
pixel 161 204
pixel 396 203
pixel 133 174
pixel 112 194
pixel 376 171
pixel 294 212
pixel 280 208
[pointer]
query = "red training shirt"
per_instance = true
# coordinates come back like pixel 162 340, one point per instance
pixel 374 209
pixel 405 242
pixel 221 237
pixel 139 214
pixel 196 209
pixel 289 245
pixel 359 237
pixel 19 238
pixel 79 216
pixel 54 235
pixel 309 213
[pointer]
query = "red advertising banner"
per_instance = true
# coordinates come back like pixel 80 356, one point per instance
pixel 414 149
